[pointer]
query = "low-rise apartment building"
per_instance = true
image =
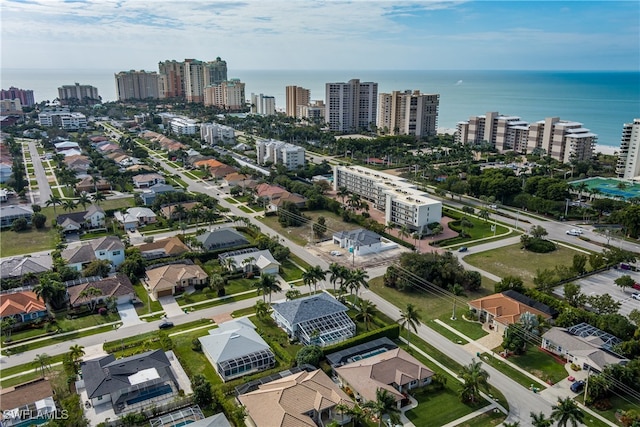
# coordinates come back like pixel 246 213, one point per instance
pixel 213 133
pixel 279 152
pixel 183 126
pixel 64 119
pixel 401 201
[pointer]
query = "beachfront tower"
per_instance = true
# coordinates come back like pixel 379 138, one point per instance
pixel 628 166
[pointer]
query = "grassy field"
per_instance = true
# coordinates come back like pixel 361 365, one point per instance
pixel 441 407
pixel 540 364
pixel 148 305
pixel 513 261
pixel 471 329
pixel 431 307
pixel 512 373
pixel 289 271
pixel 302 234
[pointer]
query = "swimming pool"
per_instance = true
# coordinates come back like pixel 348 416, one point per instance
pixel 367 355
pixel 609 187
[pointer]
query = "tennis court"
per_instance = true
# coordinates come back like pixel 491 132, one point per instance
pixel 609 187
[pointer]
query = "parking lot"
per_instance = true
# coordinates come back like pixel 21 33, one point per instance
pixel 603 283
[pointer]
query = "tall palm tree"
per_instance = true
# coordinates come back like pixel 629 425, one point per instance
pixel 267 285
pixel 355 201
pixel 49 291
pixel 312 276
pixel 84 200
pixel 42 362
pixel 335 270
pixel 68 205
pixel 342 193
pixel 457 291
pixel 76 352
pixel 385 404
pixel 230 264
pixel 98 197
pixel 566 412
pixel 404 231
pixel 366 312
pixel 342 408
pixel 55 201
pixel 410 319
pixel 90 294
pixel 540 420
pixel 356 278
pixel 475 378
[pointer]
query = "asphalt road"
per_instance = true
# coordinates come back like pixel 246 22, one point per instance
pixel 44 191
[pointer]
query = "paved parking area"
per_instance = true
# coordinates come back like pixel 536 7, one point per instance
pixel 603 283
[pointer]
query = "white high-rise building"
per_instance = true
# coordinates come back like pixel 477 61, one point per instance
pixel 408 113
pixel 214 133
pixel 183 126
pixel 263 104
pixel 279 152
pixel 401 201
pixel 351 106
pixel 628 166
pixel 502 132
pixel 229 94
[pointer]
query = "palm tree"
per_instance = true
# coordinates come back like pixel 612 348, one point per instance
pixel 342 193
pixel 385 404
pixel 312 276
pixel 76 352
pixel 229 263
pixel 49 291
pixel 335 270
pixel 410 319
pixel 90 294
pixel 42 362
pixel 355 279
pixel 262 309
pixel 266 285
pixel 98 197
pixel 7 326
pixel 566 412
pixel 68 205
pixel 179 212
pixel 249 261
pixel 84 200
pixel 53 200
pixel 475 378
pixel 210 217
pixel 366 312
pixel 216 282
pixel 355 201
pixel 342 408
pixel 404 231
pixel 540 420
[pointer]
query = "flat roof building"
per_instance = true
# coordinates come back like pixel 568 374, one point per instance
pixel 408 113
pixel 628 166
pixel 351 106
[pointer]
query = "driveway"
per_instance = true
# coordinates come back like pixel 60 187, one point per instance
pixel 170 306
pixel 128 315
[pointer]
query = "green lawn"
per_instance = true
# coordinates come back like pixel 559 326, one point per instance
pixel 268 329
pixel 514 261
pixel 233 287
pixel 147 304
pixel 540 364
pixel 488 419
pixel 471 329
pixel 27 367
pixel 244 312
pixel 618 403
pixel 23 242
pixel 29 376
pixel 231 200
pixel 431 307
pixel 440 407
pixel 225 300
pixel 450 335
pixel 512 373
pixel 246 209
pixel 289 271
pixel 194 362
pixel 299 261
pixel 67 324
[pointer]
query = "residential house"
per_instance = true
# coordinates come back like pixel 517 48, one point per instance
pixel 98 138
pixel 165 143
pixel 304 399
pixel 118 287
pixel 169 211
pixel 191 416
pixel 362 242
pixel 139 169
pixel 66 145
pixel 393 370
pixel 147 180
pixel 207 163
pixel 276 196
pixel 235 349
pixel 149 195
pixel 246 259
pixel 108 147
pixel 128 384
pixel 8 214
pixel 27 404
pixel 78 163
pixel 92 218
pixel 584 345
pixel 23 306
pixel 317 319
pixel 235 178
pixel 221 239
pixel 132 218
pixel 499 311
pixel 17 267
pixel 6 169
pixel 86 185
pixel 171 246
pixel 172 278
pixel 221 171
pixel 108 248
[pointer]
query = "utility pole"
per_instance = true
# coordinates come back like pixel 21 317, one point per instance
pixel 586 386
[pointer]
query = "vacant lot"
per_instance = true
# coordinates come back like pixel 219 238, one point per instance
pixel 303 234
pixel 513 261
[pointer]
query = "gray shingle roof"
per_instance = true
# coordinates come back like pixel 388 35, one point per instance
pixel 107 243
pixel 309 308
pixel 224 238
pixel 80 254
pixel 19 266
pixel 108 375
pixel 232 340
pixel 361 236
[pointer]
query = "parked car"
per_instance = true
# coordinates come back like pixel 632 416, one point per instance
pixel 336 253
pixel 577 386
pixel 463 249
pixel 636 286
pixel 636 296
pixel 165 325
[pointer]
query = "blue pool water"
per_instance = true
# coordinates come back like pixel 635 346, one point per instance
pixel 150 394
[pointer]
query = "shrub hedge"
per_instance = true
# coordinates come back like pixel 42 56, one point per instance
pixel 391 332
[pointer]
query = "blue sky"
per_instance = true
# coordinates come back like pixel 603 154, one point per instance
pixel 305 34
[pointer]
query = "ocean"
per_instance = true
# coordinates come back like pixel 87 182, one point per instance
pixel 601 101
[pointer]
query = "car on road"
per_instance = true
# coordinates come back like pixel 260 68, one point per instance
pixel 577 386
pixel 165 325
pixel 636 296
pixel 463 249
pixel 574 232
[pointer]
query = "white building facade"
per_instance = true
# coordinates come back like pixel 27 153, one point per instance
pixel 408 113
pixel 351 106
pixel 401 201
pixel 501 131
pixel 63 119
pixel 214 133
pixel 628 166
pixel 279 152
pixel 263 104
pixel 563 140
pixel 183 126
